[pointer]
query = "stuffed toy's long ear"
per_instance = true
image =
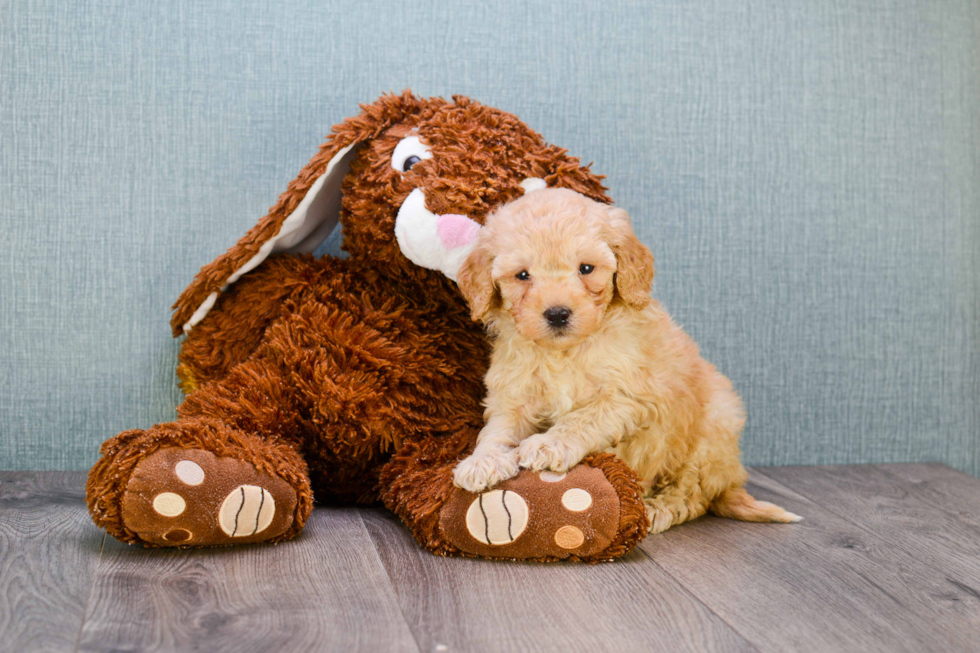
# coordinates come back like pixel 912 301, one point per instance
pixel 305 214
pixel 634 262
pixel 475 281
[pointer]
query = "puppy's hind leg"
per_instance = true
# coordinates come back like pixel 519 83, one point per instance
pixel 722 474
pixel 677 501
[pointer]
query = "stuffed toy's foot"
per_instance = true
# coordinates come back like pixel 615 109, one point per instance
pixel 594 512
pixel 547 516
pixel 190 497
pixel 535 515
pixel 198 483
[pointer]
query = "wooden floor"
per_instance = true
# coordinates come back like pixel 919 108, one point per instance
pixel 887 559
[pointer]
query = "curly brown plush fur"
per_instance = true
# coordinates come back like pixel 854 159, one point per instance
pixel 355 379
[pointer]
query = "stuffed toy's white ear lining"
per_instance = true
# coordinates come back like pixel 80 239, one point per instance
pixel 432 241
pixel 305 228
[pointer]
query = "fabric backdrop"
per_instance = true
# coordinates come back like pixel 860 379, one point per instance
pixel 806 173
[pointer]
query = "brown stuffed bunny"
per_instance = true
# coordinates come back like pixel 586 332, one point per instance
pixel 359 378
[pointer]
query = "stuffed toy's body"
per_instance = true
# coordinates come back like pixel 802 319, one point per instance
pixel 359 379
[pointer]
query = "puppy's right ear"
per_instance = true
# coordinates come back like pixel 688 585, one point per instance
pixel 305 214
pixel 475 281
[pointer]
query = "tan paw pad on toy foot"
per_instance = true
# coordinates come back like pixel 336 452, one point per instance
pixel 497 517
pixel 535 515
pixel 190 497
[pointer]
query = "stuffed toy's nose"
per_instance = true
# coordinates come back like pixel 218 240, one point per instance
pixel 456 230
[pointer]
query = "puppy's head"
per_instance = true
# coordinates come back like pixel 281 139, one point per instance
pixel 551 263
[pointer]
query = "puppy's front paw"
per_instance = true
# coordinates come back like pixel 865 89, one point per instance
pixel 484 470
pixel 544 452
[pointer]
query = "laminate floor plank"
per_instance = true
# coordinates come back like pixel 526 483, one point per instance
pixel 325 590
pixel 461 604
pixel 887 559
pixel 823 584
pixel 49 551
pixel 908 516
pixel 951 491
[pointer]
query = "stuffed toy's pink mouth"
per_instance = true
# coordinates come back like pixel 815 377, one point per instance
pixel 456 230
pixel 436 242
pixel 439 242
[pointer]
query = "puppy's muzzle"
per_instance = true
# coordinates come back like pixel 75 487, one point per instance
pixel 557 317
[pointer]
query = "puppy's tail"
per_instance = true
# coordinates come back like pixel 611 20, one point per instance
pixel 736 503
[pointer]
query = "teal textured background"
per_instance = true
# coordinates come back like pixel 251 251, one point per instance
pixel 806 173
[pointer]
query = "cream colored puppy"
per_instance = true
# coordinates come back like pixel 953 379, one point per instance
pixel 585 361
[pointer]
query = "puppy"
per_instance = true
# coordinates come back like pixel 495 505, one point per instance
pixel 585 361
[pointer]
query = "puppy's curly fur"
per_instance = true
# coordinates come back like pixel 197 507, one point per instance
pixel 585 361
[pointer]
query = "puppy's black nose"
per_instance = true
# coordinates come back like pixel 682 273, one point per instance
pixel 557 316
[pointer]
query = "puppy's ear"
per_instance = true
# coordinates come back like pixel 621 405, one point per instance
pixel 475 281
pixel 634 262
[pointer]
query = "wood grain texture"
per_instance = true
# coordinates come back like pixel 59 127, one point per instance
pixel 821 585
pixel 911 517
pixel 326 590
pixel 477 605
pixel 49 550
pixel 951 491
pixel 886 560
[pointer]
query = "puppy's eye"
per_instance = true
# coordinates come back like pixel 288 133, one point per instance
pixel 409 151
pixel 585 268
pixel 523 275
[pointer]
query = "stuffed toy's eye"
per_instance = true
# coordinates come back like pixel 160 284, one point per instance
pixel 409 151
pixel 523 275
pixel 585 268
pixel 409 162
